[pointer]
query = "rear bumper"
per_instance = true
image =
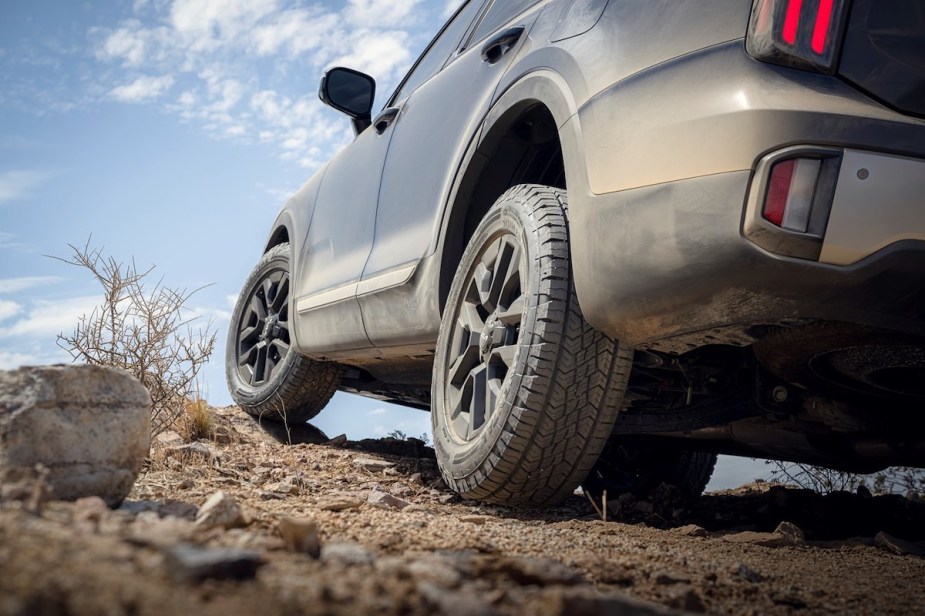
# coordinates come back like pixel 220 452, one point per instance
pixel 662 251
pixel 671 262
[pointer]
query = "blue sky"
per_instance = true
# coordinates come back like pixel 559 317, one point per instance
pixel 172 131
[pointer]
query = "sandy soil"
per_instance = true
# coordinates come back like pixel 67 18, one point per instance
pixel 393 540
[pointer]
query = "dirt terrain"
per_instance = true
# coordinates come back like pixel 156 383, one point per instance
pixel 340 527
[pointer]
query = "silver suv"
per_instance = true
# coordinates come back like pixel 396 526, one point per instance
pixel 604 240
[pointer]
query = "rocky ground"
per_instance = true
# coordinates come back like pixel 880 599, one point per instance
pixel 243 524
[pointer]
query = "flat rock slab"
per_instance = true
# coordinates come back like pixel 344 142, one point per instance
pixel 88 425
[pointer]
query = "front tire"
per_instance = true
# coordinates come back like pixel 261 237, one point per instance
pixel 525 392
pixel 266 376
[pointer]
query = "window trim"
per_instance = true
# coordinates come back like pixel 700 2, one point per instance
pixel 485 9
pixel 462 47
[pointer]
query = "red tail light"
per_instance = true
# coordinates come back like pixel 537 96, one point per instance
pixel 798 33
pixel 791 191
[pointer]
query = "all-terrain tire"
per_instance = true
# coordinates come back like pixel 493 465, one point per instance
pixel 295 388
pixel 627 469
pixel 555 407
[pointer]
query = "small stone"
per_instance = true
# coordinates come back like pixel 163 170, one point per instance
pixel 898 546
pixel 179 509
pixel 186 484
pixel 686 598
pixel 691 530
pixel 768 540
pixel 191 563
pixel 643 507
pixel 667 578
pixel 169 438
pixel 416 479
pixel 400 489
pixel 300 536
pixel 791 531
pixel 454 602
pixel 418 509
pixel 271 496
pixel 372 464
pixel 614 508
pixel 384 500
pixel 193 450
pixel 346 554
pixel 89 510
pixel 446 499
pixel 339 503
pixel 220 510
pixel 150 529
pixel 389 540
pixel 282 487
pixel 338 441
pixel 436 570
pixel 748 574
pixel 478 520
pixel 540 572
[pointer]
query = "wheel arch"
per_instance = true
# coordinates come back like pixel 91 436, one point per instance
pixel 528 136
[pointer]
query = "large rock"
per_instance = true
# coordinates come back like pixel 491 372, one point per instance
pixel 89 425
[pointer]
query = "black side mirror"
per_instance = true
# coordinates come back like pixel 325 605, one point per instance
pixel 350 92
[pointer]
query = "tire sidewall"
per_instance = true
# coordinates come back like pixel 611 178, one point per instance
pixel 464 459
pixel 244 393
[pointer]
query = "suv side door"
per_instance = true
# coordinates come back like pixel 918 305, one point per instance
pixel 438 114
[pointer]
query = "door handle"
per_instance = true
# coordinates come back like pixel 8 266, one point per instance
pixel 501 43
pixel 385 118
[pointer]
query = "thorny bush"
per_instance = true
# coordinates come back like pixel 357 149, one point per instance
pixel 145 330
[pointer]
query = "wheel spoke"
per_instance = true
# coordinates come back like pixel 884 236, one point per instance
pixel 506 354
pixel 463 365
pixel 470 319
pixel 282 347
pixel 479 399
pixel 249 333
pixel 482 283
pixel 514 313
pixel 492 393
pixel 259 365
pixel 282 294
pixel 258 308
pixel 507 262
pixel 249 357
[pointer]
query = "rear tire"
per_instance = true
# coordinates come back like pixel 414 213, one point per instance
pixel 525 392
pixel 622 469
pixel 266 376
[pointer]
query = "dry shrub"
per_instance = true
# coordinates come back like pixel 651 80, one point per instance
pixel 196 422
pixel 143 329
pixel 894 480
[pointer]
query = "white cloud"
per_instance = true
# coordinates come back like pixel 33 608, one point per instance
pixel 11 359
pixel 377 53
pixel 450 8
pixel 14 285
pixel 51 317
pixel 127 44
pixel 19 184
pixel 206 24
pixel 8 309
pixel 142 89
pixel 381 13
pixel 233 62
pixel 378 411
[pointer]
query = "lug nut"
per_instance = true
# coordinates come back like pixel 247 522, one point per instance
pixel 779 394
